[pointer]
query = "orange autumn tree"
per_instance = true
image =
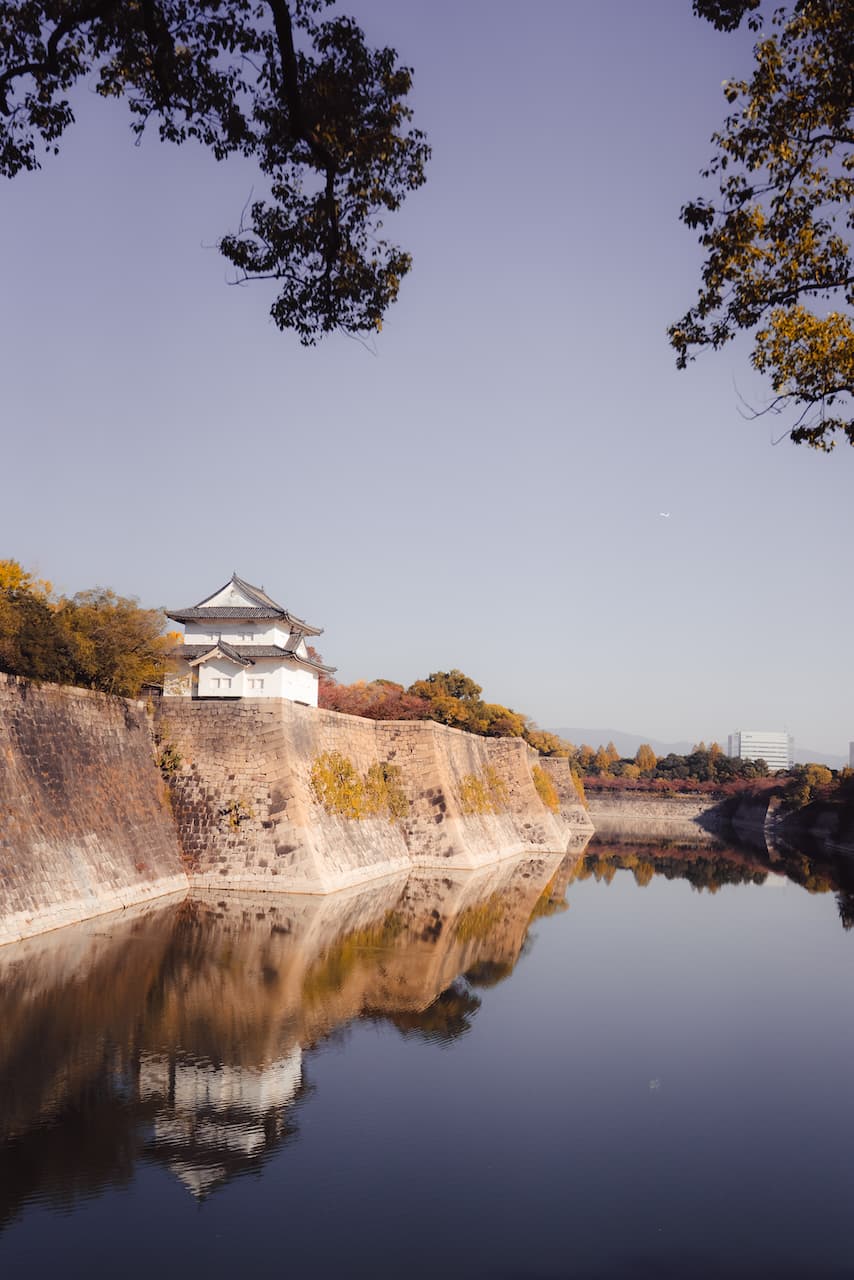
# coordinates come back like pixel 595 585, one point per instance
pixel 95 639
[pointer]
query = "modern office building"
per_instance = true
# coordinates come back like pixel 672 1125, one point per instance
pixel 776 749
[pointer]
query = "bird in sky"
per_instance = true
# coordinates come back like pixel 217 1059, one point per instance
pixel 665 515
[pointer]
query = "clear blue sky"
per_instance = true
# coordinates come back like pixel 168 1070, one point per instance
pixel 483 491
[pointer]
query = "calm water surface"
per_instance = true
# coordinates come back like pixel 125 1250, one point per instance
pixel 635 1063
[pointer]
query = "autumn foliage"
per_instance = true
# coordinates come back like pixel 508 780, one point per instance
pixel 448 697
pixel 95 639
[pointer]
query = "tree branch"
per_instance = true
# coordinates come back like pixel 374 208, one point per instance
pixel 323 157
pixel 50 62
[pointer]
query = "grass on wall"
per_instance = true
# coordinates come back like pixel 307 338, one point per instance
pixel 337 785
pixel 484 792
pixel 545 788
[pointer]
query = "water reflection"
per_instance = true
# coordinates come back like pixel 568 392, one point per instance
pixel 180 1035
pixel 709 868
pixel 409 1096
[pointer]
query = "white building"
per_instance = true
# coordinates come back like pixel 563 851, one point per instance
pixel 238 643
pixel 776 749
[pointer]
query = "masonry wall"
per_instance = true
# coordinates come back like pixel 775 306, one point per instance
pixel 85 825
pixel 643 816
pixel 248 818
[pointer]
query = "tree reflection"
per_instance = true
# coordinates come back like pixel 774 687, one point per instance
pixel 709 869
pixel 446 1019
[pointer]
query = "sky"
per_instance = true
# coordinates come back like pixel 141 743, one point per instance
pixel 481 488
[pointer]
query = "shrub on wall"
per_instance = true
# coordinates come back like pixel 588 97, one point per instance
pixel 237 811
pixel 336 784
pixel 169 760
pixel 384 791
pixel 545 788
pixel 485 792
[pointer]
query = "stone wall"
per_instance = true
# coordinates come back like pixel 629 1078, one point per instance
pixel 640 816
pixel 85 825
pixel 576 815
pixel 248 818
pixel 88 826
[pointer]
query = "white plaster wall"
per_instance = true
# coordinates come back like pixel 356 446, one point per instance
pixel 235 632
pixel 230 597
pixel 281 681
pixel 221 668
pixel 300 685
pixel 270 671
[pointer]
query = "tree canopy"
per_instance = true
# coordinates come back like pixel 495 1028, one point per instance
pixel 322 114
pixel 95 639
pixel 777 234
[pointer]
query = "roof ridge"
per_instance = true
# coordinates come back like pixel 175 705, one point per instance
pixel 257 592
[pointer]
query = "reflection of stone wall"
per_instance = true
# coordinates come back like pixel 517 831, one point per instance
pixel 67 998
pixel 84 823
pixel 247 818
pixel 183 1032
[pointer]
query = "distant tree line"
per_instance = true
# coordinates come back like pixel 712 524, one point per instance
pixel 707 769
pixel 95 639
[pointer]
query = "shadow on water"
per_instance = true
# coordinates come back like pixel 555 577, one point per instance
pixel 180 1035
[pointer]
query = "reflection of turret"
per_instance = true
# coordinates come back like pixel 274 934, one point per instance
pixel 212 1122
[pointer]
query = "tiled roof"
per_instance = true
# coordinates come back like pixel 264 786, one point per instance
pixel 244 653
pixel 264 607
pixel 229 651
pixel 258 592
pixel 221 611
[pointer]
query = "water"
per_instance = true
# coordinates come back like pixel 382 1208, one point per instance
pixel 456 1076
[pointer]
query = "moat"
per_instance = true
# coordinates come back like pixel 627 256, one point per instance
pixel 633 1062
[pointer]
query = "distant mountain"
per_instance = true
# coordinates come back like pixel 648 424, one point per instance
pixel 804 755
pixel 628 743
